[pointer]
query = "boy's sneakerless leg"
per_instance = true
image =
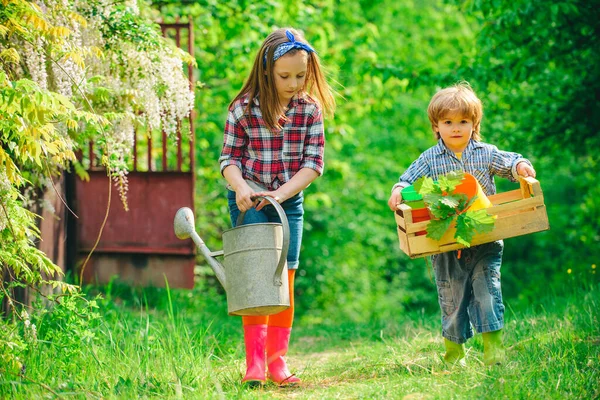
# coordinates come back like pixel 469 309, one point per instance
pixel 486 308
pixel 452 277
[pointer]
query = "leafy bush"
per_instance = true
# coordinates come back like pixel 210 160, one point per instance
pixel 70 73
pixel 536 69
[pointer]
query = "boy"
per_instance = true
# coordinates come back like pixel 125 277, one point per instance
pixel 468 284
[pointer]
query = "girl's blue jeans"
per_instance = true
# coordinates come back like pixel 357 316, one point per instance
pixel 469 290
pixel 294 212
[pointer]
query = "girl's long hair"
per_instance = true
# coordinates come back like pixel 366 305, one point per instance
pixel 259 83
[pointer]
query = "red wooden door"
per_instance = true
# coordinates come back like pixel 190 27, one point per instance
pixel 138 246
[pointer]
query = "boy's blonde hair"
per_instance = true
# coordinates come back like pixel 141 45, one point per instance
pixel 259 83
pixel 456 99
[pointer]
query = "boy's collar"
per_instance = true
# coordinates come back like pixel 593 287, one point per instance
pixel 441 147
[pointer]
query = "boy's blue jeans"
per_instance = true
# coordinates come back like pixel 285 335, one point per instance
pixel 294 212
pixel 469 290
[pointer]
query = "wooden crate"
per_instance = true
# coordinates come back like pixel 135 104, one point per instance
pixel 517 212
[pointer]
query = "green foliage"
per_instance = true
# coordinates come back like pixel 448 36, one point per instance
pixel 123 25
pixel 12 347
pixel 49 110
pixel 448 209
pixel 61 327
pixel 35 143
pixel 29 143
pixel 33 138
pixel 67 324
pixel 536 70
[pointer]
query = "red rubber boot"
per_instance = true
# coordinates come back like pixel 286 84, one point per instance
pixel 278 340
pixel 255 339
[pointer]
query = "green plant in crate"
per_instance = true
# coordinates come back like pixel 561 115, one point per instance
pixel 447 207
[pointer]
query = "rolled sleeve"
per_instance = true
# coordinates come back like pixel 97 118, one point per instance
pixel 514 172
pixel 400 185
pixel 504 163
pixel 314 143
pixel 235 141
pixel 416 170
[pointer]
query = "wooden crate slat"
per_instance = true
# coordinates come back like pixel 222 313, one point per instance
pixel 514 225
pixel 531 202
pixel 513 207
pixel 406 216
pixel 509 209
pixel 404 242
pixel 505 197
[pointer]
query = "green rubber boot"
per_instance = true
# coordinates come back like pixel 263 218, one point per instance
pixel 493 349
pixel 455 353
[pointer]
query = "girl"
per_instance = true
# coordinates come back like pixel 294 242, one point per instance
pixel 273 146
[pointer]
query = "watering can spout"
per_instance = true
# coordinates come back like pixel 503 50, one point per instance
pixel 184 228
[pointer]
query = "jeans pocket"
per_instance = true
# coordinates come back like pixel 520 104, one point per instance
pixel 445 297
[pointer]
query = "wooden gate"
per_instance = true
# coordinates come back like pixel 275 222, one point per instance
pixel 138 246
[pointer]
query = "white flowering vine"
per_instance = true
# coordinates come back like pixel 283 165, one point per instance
pixel 71 72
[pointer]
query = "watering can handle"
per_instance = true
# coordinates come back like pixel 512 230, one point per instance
pixel 286 235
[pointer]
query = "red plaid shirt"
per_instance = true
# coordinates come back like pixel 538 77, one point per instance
pixel 272 159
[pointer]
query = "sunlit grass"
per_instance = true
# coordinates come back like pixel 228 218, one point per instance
pixel 181 344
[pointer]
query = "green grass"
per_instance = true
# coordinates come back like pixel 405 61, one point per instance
pixel 181 344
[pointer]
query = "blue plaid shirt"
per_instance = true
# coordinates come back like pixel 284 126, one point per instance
pixel 479 159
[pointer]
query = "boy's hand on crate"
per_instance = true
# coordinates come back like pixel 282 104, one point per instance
pixel 395 199
pixel 525 170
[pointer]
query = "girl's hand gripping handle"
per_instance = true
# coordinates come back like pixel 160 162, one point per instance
pixel 264 201
pixel 244 197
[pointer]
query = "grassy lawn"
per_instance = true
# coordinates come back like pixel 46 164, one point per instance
pixel 181 344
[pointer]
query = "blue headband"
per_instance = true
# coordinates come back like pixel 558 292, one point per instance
pixel 285 47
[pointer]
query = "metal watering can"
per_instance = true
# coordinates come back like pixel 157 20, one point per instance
pixel 253 272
